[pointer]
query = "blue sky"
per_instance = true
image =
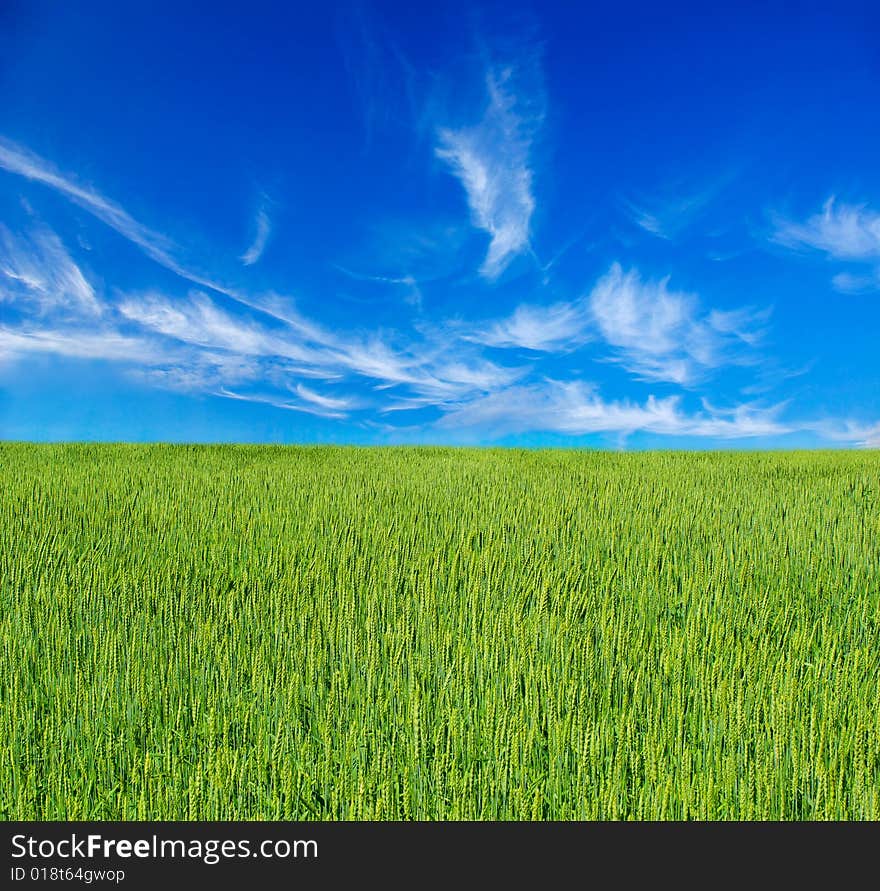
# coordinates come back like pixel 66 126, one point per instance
pixel 613 225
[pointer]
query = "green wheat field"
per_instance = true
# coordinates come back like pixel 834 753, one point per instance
pixel 239 632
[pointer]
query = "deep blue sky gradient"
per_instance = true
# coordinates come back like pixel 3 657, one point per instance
pixel 640 225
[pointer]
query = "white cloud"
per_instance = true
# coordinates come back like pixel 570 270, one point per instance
pixel 326 402
pixel 670 211
pixel 198 320
pixel 857 433
pixel 261 237
pixel 492 160
pixel 646 220
pixel 283 337
pixel 441 374
pixel 576 408
pixel 843 231
pixel 741 324
pixel 457 375
pixel 156 246
pixel 557 327
pixel 199 371
pixel 412 293
pixel 40 269
pixel 78 343
pixel 19 160
pixel 286 404
pixel 659 334
pixel 852 283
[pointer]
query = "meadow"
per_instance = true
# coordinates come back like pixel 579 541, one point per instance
pixel 239 632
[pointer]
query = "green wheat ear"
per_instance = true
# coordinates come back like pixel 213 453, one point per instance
pixel 341 633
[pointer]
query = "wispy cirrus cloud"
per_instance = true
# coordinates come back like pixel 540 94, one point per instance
pixel 660 334
pixel 331 403
pixel 21 161
pixel 287 403
pixel 671 210
pixel 198 320
pixel 263 227
pixel 79 342
pixel 38 268
pixel 159 248
pixel 492 159
pixel 656 333
pixel 198 371
pixel 577 408
pixel 307 350
pixel 557 327
pixel 858 433
pixel 192 344
pixel 855 283
pixel 412 292
pixel 843 231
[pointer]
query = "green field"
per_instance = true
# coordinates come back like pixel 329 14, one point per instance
pixel 338 633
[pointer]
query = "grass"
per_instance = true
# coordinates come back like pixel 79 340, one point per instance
pixel 337 633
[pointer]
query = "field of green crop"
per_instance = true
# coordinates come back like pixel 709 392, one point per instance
pixel 337 633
